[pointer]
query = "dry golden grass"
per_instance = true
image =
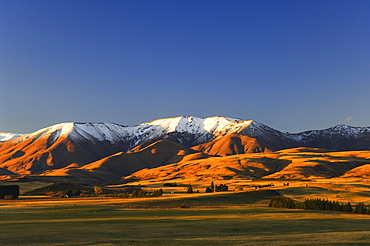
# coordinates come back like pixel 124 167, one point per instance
pixel 165 161
pixel 300 163
pixel 232 144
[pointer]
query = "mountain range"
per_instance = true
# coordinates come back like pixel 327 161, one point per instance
pixel 103 152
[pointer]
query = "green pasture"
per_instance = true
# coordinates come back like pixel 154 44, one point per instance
pixel 107 225
pixel 240 218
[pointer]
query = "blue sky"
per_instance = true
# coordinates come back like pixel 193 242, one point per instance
pixel 293 65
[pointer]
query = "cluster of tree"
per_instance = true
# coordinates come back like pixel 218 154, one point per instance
pixel 311 204
pixel 66 193
pixel 361 209
pixel 318 204
pixel 9 191
pixel 143 193
pixel 157 193
pixel 97 190
pixel 216 188
pixel 221 187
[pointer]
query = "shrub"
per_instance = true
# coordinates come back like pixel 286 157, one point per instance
pixel 8 197
pixel 56 193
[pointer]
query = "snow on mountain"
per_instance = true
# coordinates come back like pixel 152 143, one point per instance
pixel 80 132
pixel 190 131
pixel 340 137
pixel 200 130
pixel 341 130
pixel 213 126
pixel 194 125
pixel 5 136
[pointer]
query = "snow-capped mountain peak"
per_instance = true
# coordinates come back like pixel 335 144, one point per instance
pixel 196 125
pixel 191 131
pixel 69 143
pixel 202 130
pixel 197 130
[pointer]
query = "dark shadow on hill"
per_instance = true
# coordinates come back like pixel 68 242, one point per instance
pixel 270 166
pixel 330 169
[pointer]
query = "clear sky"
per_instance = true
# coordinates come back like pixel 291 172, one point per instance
pixel 292 65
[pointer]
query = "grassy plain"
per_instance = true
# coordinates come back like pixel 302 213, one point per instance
pixel 91 225
pixel 229 218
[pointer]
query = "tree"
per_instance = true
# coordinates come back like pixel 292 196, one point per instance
pixel 134 194
pixel 98 190
pixel 209 190
pixel 155 193
pixel 347 208
pixel 69 192
pixel 190 189
pixel 360 208
pixel 141 193
pixel 221 187
pixel 77 192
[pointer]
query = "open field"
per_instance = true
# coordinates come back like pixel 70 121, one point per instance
pixel 91 225
pixel 226 218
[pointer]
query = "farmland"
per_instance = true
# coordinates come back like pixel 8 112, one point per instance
pixel 226 218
